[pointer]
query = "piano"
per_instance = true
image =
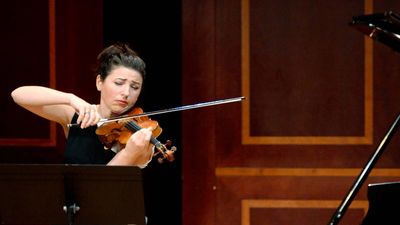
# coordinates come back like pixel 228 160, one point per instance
pixel 383 198
pixel 382 27
pixel 384 201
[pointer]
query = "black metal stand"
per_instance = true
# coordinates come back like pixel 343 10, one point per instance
pixel 364 173
pixel 71 194
pixel 71 211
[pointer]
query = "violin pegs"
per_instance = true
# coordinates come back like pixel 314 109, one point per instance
pixel 166 153
pixel 170 155
pixel 168 143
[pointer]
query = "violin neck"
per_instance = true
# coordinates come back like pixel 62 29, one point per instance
pixel 132 126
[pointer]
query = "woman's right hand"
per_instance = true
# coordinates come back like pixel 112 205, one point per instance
pixel 88 113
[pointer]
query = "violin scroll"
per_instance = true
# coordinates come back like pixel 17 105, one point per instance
pixel 166 153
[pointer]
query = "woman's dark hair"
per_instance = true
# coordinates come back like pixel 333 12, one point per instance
pixel 119 55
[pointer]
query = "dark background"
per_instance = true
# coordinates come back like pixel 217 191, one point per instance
pixel 153 29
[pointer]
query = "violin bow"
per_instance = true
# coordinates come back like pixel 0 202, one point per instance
pixel 175 109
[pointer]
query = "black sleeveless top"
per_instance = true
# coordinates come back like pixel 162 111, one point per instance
pixel 84 147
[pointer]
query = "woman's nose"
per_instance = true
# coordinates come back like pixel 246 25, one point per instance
pixel 126 91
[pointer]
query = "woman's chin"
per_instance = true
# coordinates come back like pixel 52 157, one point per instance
pixel 120 110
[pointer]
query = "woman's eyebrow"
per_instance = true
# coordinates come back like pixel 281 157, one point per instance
pixel 125 79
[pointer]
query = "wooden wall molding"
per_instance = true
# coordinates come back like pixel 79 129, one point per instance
pixel 247 139
pixel 248 204
pixel 51 140
pixel 295 172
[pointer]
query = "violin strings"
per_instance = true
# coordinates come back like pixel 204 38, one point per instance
pixel 132 126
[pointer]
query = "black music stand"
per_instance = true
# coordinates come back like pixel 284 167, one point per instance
pixel 71 194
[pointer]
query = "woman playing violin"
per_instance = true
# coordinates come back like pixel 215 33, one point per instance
pixel 120 79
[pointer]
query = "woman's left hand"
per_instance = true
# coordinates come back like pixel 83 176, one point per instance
pixel 138 150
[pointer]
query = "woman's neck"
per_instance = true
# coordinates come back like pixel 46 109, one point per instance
pixel 103 112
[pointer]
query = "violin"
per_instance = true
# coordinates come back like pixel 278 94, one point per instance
pixel 120 131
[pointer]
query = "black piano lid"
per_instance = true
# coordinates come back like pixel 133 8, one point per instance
pixel 384 201
pixel 383 27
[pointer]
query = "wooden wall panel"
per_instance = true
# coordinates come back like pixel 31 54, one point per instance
pixel 198 63
pixel 320 98
pixel 302 85
pixel 21 20
pixel 49 43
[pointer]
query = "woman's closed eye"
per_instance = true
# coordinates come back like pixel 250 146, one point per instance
pixel 135 87
pixel 119 83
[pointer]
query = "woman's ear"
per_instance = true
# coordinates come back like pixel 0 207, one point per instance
pixel 99 82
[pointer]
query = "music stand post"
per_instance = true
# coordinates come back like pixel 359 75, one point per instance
pixel 71 211
pixel 71 194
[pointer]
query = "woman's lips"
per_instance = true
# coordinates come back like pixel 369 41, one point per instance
pixel 122 103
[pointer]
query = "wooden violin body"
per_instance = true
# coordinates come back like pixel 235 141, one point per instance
pixel 119 132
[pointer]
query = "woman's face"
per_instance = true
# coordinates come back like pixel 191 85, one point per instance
pixel 119 91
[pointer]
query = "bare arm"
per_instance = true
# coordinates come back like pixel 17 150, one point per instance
pixel 54 105
pixel 60 107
